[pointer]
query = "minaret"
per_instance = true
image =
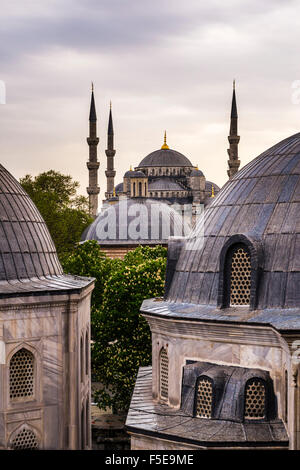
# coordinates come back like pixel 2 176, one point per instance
pixel 233 138
pixel 110 153
pixel 93 164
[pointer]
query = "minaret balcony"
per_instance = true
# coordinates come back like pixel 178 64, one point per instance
pixel 110 152
pixel 93 190
pixel 92 140
pixel 93 165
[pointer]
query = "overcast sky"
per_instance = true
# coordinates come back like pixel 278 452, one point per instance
pixel 165 64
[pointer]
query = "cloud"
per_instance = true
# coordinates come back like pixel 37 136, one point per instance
pixel 165 64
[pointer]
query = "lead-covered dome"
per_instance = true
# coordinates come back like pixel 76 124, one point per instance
pixel 26 248
pixel 136 221
pixel 165 157
pixel 258 208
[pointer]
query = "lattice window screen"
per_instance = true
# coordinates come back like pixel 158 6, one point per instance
pixel 164 374
pixel 255 400
pixel 25 440
pixel 204 398
pixel 240 279
pixel 21 374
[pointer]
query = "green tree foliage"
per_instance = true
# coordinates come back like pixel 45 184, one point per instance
pixel 65 213
pixel 89 260
pixel 121 336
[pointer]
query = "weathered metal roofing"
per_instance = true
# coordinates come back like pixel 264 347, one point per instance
pixel 26 247
pixel 160 421
pixel 28 258
pixel 262 202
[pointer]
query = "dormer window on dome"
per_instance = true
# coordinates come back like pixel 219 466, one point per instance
pixel 240 265
pixel 229 393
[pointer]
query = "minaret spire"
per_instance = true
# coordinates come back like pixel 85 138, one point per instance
pixel 165 145
pixel 233 138
pixel 93 164
pixel 110 153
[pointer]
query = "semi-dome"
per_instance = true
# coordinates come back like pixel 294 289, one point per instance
pixel 258 208
pixel 136 221
pixel 165 157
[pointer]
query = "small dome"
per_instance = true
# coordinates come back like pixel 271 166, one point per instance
pixel 196 172
pixel 137 174
pixel 165 157
pixel 209 185
pixel 119 188
pixel 127 174
pixel 136 221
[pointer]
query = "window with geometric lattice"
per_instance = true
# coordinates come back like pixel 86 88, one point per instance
pixel 21 375
pixel 255 399
pixel 164 374
pixel 25 440
pixel 240 276
pixel 204 397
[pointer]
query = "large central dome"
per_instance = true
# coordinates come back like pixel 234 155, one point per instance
pixel 165 157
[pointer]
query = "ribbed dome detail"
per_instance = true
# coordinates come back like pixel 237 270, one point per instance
pixel 262 203
pixel 26 248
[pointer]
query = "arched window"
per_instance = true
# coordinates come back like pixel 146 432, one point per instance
pixel 255 399
pixel 238 273
pixel 133 189
pixel 21 375
pixel 145 189
pixel 204 397
pixel 164 374
pixel 25 440
pixel 140 189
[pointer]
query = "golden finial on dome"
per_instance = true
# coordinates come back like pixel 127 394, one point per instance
pixel 130 167
pixel 197 168
pixel 114 192
pixel 165 146
pixel 212 191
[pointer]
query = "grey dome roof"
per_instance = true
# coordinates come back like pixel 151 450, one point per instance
pixel 165 157
pixel 262 203
pixel 209 185
pixel 28 261
pixel 127 174
pixel 196 172
pixel 136 174
pixel 26 248
pixel 119 188
pixel 124 213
